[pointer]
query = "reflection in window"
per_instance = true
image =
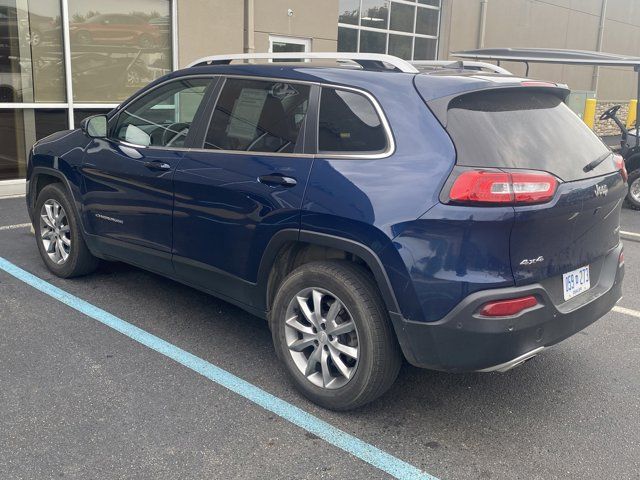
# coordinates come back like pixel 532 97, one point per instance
pixel 258 116
pixel 347 39
pixel 381 22
pixel 424 48
pixel 31 66
pixel 162 117
pixel 427 21
pixel 19 129
pixel 117 47
pixel 349 11
pixel 372 42
pixel 374 13
pixel 400 46
pixel 402 17
pixel 348 122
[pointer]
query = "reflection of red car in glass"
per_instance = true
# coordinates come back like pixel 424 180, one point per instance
pixel 115 29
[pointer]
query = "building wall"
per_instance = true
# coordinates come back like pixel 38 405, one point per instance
pixel 210 27
pixel 569 24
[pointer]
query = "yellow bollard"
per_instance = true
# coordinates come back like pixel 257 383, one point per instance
pixel 631 116
pixel 589 112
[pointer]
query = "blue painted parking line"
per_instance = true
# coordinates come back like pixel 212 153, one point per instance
pixel 350 444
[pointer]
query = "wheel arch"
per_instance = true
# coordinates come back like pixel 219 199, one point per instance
pixel 291 248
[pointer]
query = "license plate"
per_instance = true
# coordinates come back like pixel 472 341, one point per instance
pixel 576 282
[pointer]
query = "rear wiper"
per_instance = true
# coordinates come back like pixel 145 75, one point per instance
pixel 590 166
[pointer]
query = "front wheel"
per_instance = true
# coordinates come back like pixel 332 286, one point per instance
pixel 332 332
pixel 58 234
pixel 633 197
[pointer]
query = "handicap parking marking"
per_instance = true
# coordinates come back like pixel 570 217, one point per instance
pixel 353 445
pixel 15 227
pixel 627 311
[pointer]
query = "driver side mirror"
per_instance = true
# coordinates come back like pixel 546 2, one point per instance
pixel 95 126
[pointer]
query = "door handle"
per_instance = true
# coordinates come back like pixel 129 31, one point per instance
pixel 157 165
pixel 277 179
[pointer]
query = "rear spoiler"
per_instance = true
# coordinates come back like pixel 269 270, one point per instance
pixel 439 106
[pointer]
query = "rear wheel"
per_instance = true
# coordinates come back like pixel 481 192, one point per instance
pixel 633 197
pixel 332 332
pixel 58 235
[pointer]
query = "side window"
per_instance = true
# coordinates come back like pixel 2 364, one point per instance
pixel 162 117
pixel 349 123
pixel 258 116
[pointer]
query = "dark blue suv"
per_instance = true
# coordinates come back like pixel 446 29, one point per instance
pixel 459 219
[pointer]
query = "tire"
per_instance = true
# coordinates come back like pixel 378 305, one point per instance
pixel 79 260
pixel 378 353
pixel 633 196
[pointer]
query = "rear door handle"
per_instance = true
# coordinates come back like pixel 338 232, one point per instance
pixel 278 179
pixel 157 165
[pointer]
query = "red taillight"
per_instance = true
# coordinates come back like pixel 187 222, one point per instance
pixel 481 186
pixel 621 166
pixel 506 308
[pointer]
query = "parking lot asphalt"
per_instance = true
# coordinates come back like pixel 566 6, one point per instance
pixel 80 400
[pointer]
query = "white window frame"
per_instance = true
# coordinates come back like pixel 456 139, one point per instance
pixel 306 42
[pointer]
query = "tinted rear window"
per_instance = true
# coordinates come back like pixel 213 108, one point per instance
pixel 523 129
pixel 349 123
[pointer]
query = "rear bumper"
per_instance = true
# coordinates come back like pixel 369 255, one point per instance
pixel 465 341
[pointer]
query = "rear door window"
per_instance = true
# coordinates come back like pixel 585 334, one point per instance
pixel 349 122
pixel 521 128
pixel 258 116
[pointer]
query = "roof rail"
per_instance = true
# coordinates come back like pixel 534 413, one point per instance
pixel 461 65
pixel 368 61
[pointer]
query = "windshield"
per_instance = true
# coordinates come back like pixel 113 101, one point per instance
pixel 523 128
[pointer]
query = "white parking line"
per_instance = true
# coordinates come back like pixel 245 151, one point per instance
pixel 6 197
pixel 15 227
pixel 627 311
pixel 630 234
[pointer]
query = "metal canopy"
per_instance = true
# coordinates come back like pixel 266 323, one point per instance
pixel 558 55
pixel 551 55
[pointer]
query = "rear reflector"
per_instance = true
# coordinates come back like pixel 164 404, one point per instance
pixel 481 186
pixel 621 259
pixel 506 308
pixel 621 166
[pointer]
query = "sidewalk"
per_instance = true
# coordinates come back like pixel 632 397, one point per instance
pixel 12 188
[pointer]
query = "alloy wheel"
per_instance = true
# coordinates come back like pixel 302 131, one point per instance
pixel 634 189
pixel 322 338
pixel 55 233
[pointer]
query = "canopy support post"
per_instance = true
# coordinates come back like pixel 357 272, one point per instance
pixel 637 69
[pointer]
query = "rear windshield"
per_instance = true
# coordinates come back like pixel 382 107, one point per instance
pixel 523 129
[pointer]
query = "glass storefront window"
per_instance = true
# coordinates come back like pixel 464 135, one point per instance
pixel 117 47
pixel 349 12
pixel 31 65
pixel 19 129
pixel 427 21
pixel 402 17
pixel 400 46
pixel 404 28
pixel 372 42
pixel 347 39
pixel 424 48
pixel 374 13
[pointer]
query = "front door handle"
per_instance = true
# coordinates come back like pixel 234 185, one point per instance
pixel 157 165
pixel 278 179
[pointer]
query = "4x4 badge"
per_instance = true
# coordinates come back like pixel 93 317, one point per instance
pixel 531 261
pixel 601 190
